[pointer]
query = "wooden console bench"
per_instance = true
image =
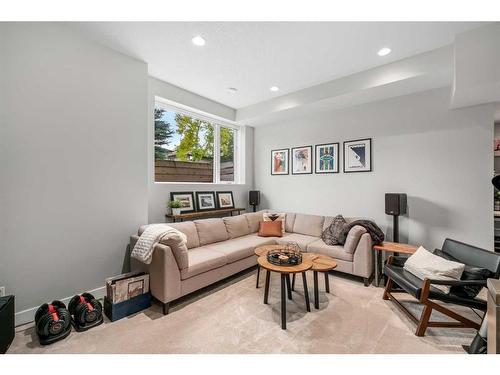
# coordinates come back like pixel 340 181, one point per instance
pixel 202 214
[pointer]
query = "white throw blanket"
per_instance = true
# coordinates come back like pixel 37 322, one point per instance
pixel 154 233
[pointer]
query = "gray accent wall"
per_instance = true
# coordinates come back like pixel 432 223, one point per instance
pixel 73 152
pixel 440 157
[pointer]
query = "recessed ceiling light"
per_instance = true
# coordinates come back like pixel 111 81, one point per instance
pixel 232 90
pixel 274 88
pixel 198 41
pixel 384 51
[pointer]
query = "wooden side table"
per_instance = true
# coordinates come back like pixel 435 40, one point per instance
pixel 262 250
pixel 285 272
pixel 391 247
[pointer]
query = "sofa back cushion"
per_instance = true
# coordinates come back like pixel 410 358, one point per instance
pixel 253 219
pixel 236 226
pixel 211 230
pixel 289 221
pixel 189 229
pixel 311 225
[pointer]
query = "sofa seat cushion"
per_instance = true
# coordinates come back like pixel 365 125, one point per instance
pixel 300 239
pixel 311 225
pixel 236 226
pixel 335 251
pixel 202 259
pixel 241 247
pixel 211 230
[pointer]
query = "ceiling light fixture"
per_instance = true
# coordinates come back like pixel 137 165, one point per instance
pixel 232 90
pixel 198 41
pixel 384 51
pixel 274 88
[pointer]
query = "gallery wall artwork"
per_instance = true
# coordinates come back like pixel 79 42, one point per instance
pixel 225 199
pixel 279 161
pixel 186 199
pixel 358 155
pixel 327 158
pixel 205 200
pixel 302 160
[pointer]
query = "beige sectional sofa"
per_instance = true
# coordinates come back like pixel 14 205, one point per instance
pixel 218 248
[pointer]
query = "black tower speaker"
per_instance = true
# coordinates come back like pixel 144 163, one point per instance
pixel 254 198
pixel 395 205
pixel 7 328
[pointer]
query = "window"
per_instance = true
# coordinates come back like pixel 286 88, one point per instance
pixel 189 147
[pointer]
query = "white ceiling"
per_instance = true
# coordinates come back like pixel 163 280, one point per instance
pixel 254 56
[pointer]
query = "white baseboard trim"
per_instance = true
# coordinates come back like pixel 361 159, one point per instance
pixel 28 315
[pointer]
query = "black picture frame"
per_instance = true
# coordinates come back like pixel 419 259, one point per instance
pixel 173 195
pixel 218 199
pixel 198 205
pixel 287 150
pixel 316 158
pixel 368 141
pixel 311 161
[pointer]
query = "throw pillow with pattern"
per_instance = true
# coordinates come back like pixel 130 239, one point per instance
pixel 331 235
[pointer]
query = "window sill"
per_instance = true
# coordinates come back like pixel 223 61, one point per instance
pixel 200 183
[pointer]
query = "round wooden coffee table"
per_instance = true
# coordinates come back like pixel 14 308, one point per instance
pixel 262 250
pixel 285 272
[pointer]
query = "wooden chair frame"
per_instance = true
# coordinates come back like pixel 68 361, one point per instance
pixel 424 322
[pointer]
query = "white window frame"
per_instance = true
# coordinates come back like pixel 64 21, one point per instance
pixel 217 122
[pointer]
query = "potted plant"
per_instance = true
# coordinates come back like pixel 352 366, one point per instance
pixel 175 206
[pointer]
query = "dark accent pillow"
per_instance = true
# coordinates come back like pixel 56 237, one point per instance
pixel 331 235
pixel 470 273
pixel 270 229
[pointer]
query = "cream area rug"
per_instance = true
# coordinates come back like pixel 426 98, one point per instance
pixel 230 317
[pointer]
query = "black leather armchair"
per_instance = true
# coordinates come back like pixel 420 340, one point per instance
pixel 427 294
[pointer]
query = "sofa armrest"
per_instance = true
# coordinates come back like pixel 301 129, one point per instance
pixel 363 257
pixel 164 274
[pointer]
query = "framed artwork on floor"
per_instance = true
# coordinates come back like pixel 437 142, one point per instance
pixel 327 158
pixel 205 200
pixel 302 160
pixel 187 201
pixel 279 161
pixel 225 199
pixel 358 155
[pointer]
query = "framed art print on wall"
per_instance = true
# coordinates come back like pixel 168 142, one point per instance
pixel 205 200
pixel 358 155
pixel 186 199
pixel 225 199
pixel 302 160
pixel 327 158
pixel 279 161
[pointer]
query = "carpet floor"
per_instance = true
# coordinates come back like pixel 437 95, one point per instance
pixel 230 317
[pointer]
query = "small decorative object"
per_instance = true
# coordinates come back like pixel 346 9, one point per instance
pixel 205 200
pixel 225 199
pixel 175 206
pixel 186 199
pixel 279 161
pixel 496 147
pixel 358 155
pixel 302 160
pixel 327 158
pixel 288 255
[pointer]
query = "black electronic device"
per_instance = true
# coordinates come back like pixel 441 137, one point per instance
pixel 254 198
pixel 395 205
pixel 7 325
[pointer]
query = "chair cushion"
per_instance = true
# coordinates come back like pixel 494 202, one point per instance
pixel 211 230
pixel 236 226
pixel 241 247
pixel 353 238
pixel 300 239
pixel 202 259
pixel 424 264
pixel 189 229
pixel 271 228
pixel 413 285
pixel 331 234
pixel 311 225
pixel 253 218
pixel 336 251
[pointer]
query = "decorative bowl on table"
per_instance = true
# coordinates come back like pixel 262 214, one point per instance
pixel 287 255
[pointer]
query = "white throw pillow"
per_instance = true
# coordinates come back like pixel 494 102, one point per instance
pixel 269 216
pixel 423 264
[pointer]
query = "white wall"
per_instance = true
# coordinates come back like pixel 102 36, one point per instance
pixel 440 157
pixel 159 193
pixel 73 153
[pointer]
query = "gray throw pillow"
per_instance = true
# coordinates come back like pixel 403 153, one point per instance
pixel 331 235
